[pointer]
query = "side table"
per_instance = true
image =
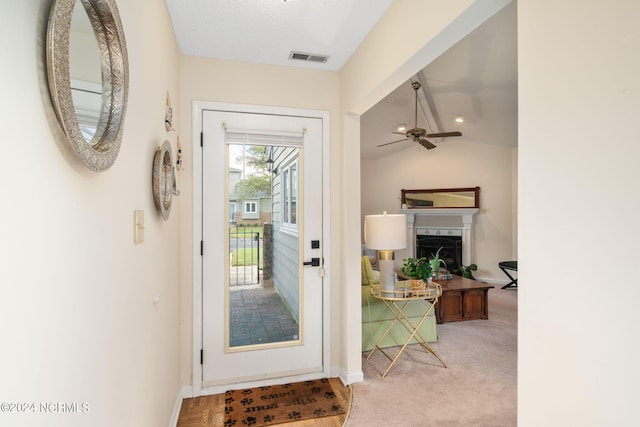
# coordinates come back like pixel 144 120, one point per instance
pixel 512 266
pixel 396 301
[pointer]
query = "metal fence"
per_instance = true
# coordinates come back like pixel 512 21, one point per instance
pixel 245 246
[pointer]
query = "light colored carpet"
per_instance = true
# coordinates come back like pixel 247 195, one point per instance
pixel 479 387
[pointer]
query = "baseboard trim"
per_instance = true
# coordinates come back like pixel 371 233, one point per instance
pixel 185 392
pixel 350 378
pixel 492 281
pixel 335 371
pixel 177 405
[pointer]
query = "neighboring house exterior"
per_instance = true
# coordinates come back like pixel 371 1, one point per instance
pixel 252 210
pixel 255 210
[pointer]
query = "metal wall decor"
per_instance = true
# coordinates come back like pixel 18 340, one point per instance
pixel 168 118
pixel 163 179
pixel 98 149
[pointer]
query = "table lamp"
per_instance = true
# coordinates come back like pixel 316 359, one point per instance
pixel 386 233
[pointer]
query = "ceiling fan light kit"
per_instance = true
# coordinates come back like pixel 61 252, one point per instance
pixel 417 134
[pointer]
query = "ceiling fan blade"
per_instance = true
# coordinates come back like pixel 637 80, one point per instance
pixel 426 144
pixel 443 134
pixel 393 142
pixel 400 133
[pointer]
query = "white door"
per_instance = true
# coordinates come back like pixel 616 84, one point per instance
pixel 266 324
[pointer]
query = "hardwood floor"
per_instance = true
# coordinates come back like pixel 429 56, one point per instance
pixel 208 411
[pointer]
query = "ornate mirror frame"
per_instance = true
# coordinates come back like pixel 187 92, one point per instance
pixel 100 153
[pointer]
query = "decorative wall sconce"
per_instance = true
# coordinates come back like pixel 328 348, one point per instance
pixel 179 155
pixel 168 118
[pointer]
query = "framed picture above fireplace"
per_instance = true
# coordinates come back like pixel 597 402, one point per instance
pixel 439 198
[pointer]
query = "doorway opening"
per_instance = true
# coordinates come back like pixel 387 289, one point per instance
pixel 260 223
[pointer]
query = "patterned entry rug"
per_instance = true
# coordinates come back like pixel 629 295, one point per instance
pixel 277 404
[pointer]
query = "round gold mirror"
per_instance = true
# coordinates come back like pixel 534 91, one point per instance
pixel 88 77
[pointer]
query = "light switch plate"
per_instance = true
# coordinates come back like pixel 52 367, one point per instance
pixel 138 226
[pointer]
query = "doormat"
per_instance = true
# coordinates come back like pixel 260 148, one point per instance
pixel 285 403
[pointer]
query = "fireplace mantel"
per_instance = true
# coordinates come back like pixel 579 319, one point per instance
pixel 466 214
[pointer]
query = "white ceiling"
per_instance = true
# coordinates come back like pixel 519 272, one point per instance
pixel 475 79
pixel 266 31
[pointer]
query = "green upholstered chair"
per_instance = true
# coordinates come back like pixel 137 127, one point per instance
pixel 369 275
pixel 376 317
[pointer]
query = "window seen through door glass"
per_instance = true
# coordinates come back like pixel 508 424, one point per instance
pixel 294 193
pixel 290 194
pixel 286 195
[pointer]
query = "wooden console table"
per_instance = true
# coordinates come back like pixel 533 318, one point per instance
pixel 462 299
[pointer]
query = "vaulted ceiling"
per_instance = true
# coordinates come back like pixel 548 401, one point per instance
pixel 476 79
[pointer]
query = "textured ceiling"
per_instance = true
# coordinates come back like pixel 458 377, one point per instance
pixel 266 31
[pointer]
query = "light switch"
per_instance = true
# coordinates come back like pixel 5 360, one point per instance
pixel 138 226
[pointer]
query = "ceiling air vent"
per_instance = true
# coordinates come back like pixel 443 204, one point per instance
pixel 311 57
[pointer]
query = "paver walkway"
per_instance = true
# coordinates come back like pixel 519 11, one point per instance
pixel 259 316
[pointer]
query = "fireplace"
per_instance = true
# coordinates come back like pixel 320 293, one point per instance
pixel 459 220
pixel 429 240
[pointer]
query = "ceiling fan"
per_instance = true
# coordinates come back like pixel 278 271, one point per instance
pixel 417 134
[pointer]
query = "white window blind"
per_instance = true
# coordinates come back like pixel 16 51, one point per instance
pixel 269 138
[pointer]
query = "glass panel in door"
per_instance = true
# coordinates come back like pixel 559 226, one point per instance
pixel 263 291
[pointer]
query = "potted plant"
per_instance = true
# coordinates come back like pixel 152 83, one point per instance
pixel 435 262
pixel 418 271
pixel 465 270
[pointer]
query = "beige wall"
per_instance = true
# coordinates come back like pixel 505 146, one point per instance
pixel 77 319
pixel 454 164
pixel 578 172
pixel 245 83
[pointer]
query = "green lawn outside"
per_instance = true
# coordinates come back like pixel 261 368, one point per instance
pixel 248 256
pixel 244 231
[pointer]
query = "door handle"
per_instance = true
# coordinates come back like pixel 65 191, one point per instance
pixel 315 262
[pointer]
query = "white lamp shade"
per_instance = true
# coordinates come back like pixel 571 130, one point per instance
pixel 385 232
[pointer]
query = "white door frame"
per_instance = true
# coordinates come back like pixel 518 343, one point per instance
pixel 197 111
